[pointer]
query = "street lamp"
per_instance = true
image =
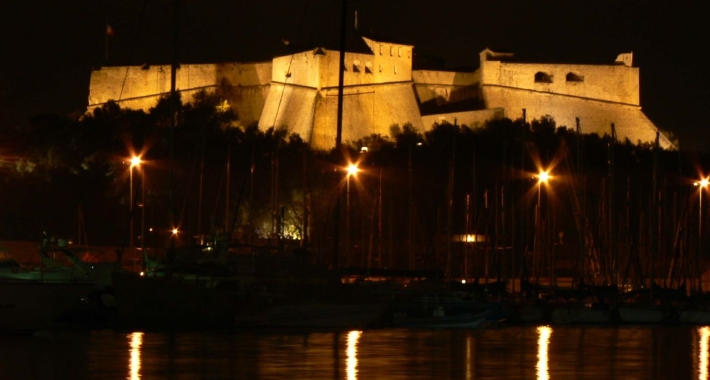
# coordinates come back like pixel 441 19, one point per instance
pixel 352 170
pixel 542 177
pixel 135 162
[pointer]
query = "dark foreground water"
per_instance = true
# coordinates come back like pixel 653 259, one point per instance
pixel 521 352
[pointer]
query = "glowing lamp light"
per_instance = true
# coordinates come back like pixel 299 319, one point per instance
pixel 136 161
pixel 544 176
pixel 175 231
pixel 352 169
pixel 702 183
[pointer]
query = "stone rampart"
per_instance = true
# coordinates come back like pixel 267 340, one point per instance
pixel 244 85
pixel 613 83
pixel 595 116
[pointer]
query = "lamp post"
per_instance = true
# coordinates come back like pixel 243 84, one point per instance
pixel 701 184
pixel 135 161
pixel 351 171
pixel 542 177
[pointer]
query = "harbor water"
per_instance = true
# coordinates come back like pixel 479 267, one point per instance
pixel 499 352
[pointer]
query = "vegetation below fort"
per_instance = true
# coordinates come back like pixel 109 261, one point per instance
pixel 205 176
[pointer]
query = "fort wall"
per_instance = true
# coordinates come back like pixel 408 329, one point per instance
pixel 595 116
pixel 439 91
pixel 243 85
pixel 299 92
pixel 471 119
pixel 613 83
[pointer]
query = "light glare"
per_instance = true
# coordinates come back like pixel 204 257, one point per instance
pixel 352 169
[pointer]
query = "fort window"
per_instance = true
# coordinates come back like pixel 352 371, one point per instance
pixel 368 70
pixel 380 67
pixel 541 77
pixel 572 77
pixel 391 51
pixel 380 49
pixel 395 69
pixel 356 69
pixel 399 52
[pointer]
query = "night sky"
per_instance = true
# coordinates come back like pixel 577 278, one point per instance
pixel 48 48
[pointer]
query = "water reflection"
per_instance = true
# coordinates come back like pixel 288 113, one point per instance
pixel 469 374
pixel 508 352
pixel 703 338
pixel 134 366
pixel 353 337
pixel 543 342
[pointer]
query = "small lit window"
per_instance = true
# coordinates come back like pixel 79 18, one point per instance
pixel 391 51
pixel 572 77
pixel 395 69
pixel 399 52
pixel 380 49
pixel 542 77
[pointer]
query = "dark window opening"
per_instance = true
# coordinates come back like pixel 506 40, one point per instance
pixel 541 77
pixel 572 77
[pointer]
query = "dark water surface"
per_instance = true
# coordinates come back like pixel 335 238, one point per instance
pixel 519 352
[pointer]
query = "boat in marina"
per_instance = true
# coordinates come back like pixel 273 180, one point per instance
pixel 694 317
pixel 258 289
pixel 439 309
pixel 643 314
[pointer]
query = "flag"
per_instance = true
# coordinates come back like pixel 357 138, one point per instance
pixel 109 30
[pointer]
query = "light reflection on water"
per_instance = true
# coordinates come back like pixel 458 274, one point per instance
pixel 353 337
pixel 703 336
pixel 542 345
pixel 517 352
pixel 134 366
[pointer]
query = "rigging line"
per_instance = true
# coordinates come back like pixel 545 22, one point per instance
pixel 133 48
pixel 288 70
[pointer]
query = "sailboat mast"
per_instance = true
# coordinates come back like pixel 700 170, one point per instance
pixel 339 130
pixel 173 121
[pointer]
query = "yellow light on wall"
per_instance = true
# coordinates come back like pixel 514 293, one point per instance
pixel 544 176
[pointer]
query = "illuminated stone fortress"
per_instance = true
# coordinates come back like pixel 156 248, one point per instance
pixel 299 91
